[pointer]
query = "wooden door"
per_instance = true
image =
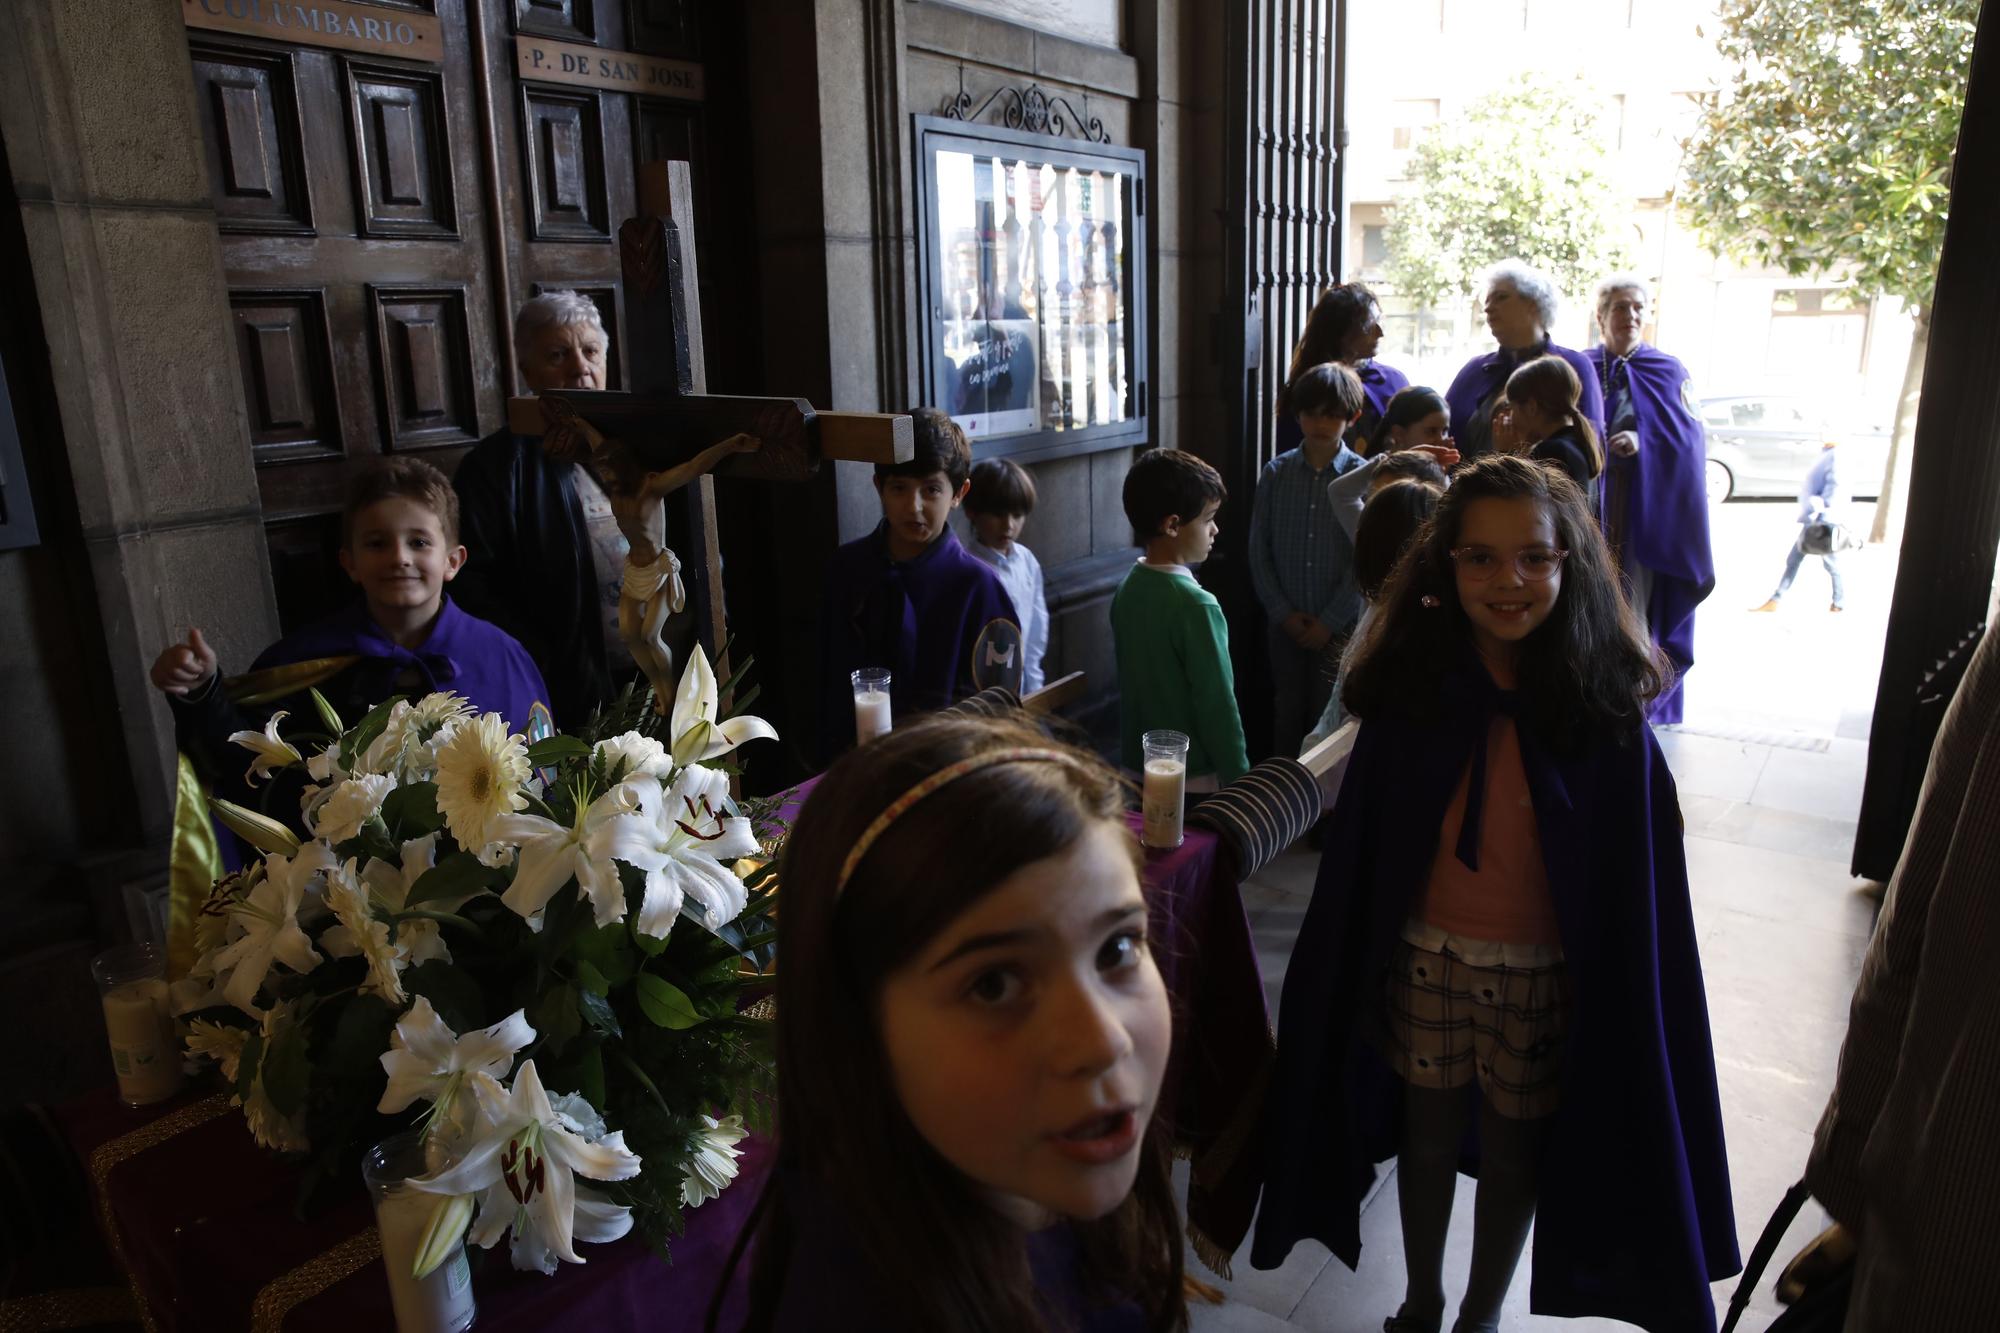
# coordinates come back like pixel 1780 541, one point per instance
pixel 382 219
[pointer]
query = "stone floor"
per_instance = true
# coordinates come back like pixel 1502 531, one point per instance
pixel 1769 766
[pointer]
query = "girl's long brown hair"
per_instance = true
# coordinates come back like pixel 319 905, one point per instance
pixel 1550 383
pixel 1338 315
pixel 943 1256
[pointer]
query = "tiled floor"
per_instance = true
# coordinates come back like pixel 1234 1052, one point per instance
pixel 1769 768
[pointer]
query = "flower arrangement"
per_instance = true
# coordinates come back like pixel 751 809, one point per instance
pixel 535 950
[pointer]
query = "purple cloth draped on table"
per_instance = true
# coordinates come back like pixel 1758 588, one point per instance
pixel 1379 383
pixel 1656 506
pixel 206 1221
pixel 1483 377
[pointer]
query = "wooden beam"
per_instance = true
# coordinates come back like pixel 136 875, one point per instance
pixel 866 437
pixel 1056 695
pixel 1327 761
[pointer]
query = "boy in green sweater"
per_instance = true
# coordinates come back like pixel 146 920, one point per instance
pixel 1172 643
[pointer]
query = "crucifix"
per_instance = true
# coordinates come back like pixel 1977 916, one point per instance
pixel 668 434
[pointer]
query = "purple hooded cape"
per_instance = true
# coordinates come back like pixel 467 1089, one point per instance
pixel 1656 506
pixel 1379 383
pixel 472 658
pixel 940 623
pixel 1484 377
pixel 1634 1219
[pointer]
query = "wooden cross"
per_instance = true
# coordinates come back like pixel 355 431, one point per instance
pixel 668 416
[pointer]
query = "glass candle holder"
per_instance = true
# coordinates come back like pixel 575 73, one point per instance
pixel 1165 791
pixel 871 703
pixel 441 1301
pixel 138 1018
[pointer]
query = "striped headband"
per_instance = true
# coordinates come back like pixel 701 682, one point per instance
pixel 945 776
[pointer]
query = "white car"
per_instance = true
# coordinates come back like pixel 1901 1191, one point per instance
pixel 1764 444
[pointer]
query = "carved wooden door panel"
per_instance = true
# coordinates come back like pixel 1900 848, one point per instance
pixel 353 229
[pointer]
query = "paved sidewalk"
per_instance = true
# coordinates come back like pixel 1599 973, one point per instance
pixel 1769 766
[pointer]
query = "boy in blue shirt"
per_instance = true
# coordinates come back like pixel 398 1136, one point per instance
pixel 1301 561
pixel 907 596
pixel 1168 630
pixel 999 502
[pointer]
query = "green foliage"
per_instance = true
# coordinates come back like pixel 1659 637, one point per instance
pixel 1520 173
pixel 1830 150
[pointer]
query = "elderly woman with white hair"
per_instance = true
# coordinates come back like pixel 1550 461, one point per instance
pixel 545 557
pixel 1520 307
pixel 1655 505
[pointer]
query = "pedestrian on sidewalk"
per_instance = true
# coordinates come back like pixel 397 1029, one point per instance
pixel 1498 969
pixel 1820 502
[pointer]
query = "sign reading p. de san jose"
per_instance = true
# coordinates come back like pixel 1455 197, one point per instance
pixel 336 23
pixel 545 61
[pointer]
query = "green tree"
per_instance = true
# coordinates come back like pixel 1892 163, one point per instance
pixel 1829 152
pixel 1520 172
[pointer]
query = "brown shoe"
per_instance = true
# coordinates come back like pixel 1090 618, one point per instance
pixel 1771 605
pixel 1836 607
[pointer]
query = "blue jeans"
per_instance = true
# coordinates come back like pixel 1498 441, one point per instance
pixel 1797 557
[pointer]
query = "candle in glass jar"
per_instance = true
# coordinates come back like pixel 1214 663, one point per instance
pixel 440 1302
pixel 871 704
pixel 142 1041
pixel 1160 801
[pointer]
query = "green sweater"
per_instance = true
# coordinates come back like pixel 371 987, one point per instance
pixel 1173 671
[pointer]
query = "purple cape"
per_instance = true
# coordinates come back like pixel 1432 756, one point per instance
pixel 1656 506
pixel 926 620
pixel 1484 376
pixel 1634 1219
pixel 468 656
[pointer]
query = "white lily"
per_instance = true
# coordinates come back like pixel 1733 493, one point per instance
pixel 389 891
pixel 268 916
pixel 272 750
pixel 712 1165
pixel 350 805
pixel 632 753
pixel 684 847
pixel 697 735
pixel 427 1061
pixel 522 1160
pixel 360 932
pixel 326 766
pixel 551 854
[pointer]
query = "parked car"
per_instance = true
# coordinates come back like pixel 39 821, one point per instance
pixel 1764 444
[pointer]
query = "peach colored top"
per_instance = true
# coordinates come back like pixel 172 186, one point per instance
pixel 1507 898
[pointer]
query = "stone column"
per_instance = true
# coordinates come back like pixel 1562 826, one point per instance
pixel 97 110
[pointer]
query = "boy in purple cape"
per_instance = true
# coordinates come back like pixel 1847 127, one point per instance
pixel 1655 503
pixel 1520 306
pixel 909 598
pixel 399 541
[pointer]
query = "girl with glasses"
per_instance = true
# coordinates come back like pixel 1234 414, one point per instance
pixel 1498 972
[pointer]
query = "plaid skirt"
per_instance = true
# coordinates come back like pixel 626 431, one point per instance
pixel 1450 1022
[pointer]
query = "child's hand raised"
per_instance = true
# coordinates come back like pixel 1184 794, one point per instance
pixel 1446 454
pixel 184 666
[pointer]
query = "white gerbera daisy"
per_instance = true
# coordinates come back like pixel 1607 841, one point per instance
pixel 712 1165
pixel 360 933
pixel 479 775
pixel 220 1042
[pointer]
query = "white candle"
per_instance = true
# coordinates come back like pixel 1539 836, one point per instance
pixel 141 1029
pixel 439 1303
pixel 871 714
pixel 1160 802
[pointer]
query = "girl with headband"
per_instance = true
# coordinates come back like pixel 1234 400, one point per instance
pixel 971 1040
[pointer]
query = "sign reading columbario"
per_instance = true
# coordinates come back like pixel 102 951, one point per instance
pixel 545 61
pixel 350 27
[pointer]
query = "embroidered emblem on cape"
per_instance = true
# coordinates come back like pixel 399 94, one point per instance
pixel 1689 401
pixel 997 656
